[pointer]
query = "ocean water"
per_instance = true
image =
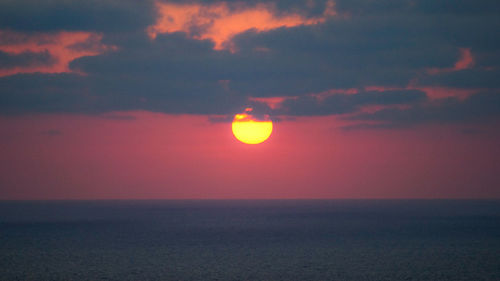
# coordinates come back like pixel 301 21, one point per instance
pixel 250 240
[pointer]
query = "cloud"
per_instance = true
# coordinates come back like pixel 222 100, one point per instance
pixel 46 52
pixel 348 103
pixel 45 93
pixel 88 15
pixel 449 110
pixel 468 79
pixel 294 58
pixel 220 21
pixel 465 61
pixel 25 59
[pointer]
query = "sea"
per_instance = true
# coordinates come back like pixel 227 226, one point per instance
pixel 250 240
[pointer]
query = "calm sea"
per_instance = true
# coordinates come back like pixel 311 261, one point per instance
pixel 250 240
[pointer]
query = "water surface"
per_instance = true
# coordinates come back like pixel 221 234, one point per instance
pixel 250 240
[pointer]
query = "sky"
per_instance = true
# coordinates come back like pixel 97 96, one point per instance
pixel 122 99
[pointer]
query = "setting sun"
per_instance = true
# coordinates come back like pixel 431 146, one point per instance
pixel 250 130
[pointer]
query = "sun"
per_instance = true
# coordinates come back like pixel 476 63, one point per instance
pixel 250 130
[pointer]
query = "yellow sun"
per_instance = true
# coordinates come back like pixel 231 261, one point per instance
pixel 248 129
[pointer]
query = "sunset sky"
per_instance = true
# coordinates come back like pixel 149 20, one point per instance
pixel 119 99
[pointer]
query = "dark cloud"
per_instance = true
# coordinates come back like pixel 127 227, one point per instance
pixel 348 103
pixel 340 54
pixel 167 75
pixel 467 78
pixel 89 15
pixel 25 93
pixel 25 59
pixel 458 7
pixel 73 93
pixel 306 8
pixel 450 110
pixel 426 7
pixel 389 44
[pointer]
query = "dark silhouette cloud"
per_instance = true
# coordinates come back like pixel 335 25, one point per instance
pixel 388 44
pixel 347 103
pixel 467 78
pixel 450 110
pixel 25 59
pixel 90 15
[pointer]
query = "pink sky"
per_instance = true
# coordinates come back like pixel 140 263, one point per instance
pixel 185 156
